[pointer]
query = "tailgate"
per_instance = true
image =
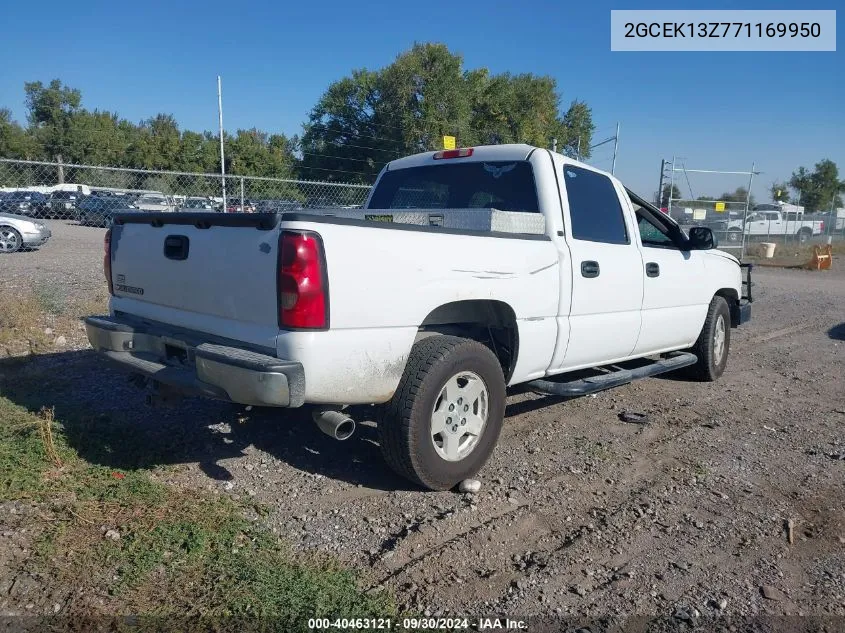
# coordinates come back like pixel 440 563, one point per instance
pixel 214 264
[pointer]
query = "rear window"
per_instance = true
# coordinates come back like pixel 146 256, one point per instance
pixel 503 185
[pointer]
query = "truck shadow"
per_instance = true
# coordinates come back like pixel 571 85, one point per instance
pixel 837 332
pixel 105 419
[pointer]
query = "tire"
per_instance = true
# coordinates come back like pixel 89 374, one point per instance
pixel 804 235
pixel 712 355
pixel 441 370
pixel 734 236
pixel 10 240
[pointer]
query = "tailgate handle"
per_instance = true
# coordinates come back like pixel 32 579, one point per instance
pixel 176 247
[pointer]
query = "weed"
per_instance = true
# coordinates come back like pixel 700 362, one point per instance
pixel 45 427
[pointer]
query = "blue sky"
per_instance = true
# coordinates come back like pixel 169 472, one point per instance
pixel 717 110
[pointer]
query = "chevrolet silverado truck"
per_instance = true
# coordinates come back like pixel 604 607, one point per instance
pixel 767 220
pixel 466 272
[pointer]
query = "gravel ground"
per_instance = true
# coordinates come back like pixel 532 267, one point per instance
pixel 71 263
pixel 684 514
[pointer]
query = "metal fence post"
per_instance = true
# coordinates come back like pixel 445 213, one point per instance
pixel 745 214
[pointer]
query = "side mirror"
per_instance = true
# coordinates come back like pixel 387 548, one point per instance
pixel 701 239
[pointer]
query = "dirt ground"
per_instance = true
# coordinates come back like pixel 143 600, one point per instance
pixel 684 514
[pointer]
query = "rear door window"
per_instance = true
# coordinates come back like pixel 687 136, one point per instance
pixel 594 207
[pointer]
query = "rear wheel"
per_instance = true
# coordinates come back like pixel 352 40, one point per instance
pixel 713 343
pixel 734 236
pixel 446 415
pixel 10 240
pixel 804 235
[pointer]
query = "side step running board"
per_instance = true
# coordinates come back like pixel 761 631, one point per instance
pixel 612 379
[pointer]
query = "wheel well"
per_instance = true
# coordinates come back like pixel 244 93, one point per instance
pixel 732 297
pixel 492 323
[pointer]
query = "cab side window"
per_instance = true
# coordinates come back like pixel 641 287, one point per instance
pixel 594 207
pixel 652 233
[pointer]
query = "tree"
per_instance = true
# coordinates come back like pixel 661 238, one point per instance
pixel 780 192
pixel 50 110
pixel 342 138
pixel 576 133
pixel 360 123
pixel 821 189
pixel 14 141
pixel 367 119
pixel 669 191
pixel 740 194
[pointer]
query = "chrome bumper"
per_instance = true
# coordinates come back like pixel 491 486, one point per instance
pixel 181 360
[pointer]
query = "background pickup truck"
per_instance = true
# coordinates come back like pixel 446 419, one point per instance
pixel 763 223
pixel 466 271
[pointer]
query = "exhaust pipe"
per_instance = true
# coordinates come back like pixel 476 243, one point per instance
pixel 336 424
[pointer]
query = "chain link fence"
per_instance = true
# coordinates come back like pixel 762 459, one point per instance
pixel 92 195
pixel 749 229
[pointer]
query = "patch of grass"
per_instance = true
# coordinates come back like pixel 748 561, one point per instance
pixel 50 299
pixel 117 542
pixel 790 253
pixel 25 320
pixel 21 328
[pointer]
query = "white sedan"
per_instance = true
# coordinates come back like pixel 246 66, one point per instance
pixel 19 231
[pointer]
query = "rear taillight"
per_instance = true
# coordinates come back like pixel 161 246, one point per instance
pixel 821 226
pixel 107 260
pixel 303 283
pixel 453 153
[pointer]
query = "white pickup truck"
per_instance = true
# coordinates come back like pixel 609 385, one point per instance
pixel 431 322
pixel 768 220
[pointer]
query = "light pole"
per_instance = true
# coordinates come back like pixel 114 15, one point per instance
pixel 222 156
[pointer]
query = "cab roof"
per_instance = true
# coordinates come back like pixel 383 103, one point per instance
pixel 481 153
pixel 511 151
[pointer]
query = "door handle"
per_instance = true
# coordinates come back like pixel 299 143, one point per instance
pixel 652 269
pixel 590 269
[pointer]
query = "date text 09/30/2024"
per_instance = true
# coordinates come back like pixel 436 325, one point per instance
pixel 418 624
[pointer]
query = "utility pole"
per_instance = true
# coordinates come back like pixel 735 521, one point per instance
pixel 222 156
pixel 554 145
pixel 660 186
pixel 615 149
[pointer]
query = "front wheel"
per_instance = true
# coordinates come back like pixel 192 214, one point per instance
pixel 713 343
pixel 446 415
pixel 10 240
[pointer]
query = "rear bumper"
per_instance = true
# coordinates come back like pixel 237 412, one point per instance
pixel 186 363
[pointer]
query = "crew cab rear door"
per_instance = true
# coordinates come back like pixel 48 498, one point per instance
pixel 607 272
